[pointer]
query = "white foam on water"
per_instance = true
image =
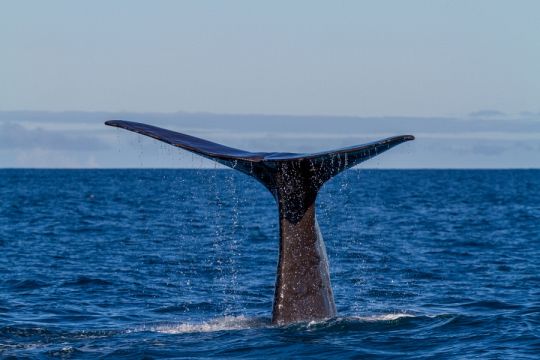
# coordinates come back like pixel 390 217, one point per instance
pixel 226 323
pixel 369 318
pixel 235 323
pixel 383 317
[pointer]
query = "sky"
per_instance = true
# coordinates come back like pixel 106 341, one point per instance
pixel 463 76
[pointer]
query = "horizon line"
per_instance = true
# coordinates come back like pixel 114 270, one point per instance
pixel 229 169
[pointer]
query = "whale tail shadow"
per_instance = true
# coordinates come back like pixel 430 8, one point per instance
pixel 303 291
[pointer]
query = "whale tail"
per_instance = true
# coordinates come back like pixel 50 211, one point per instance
pixel 303 291
pixel 317 168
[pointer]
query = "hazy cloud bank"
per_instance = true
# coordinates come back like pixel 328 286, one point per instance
pixel 484 139
pixel 14 136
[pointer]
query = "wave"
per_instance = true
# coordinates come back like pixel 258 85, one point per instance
pixel 236 323
pixel 87 281
pixel 384 317
pixel 27 284
pixel 226 323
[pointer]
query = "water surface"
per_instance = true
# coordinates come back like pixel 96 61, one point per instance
pixel 181 263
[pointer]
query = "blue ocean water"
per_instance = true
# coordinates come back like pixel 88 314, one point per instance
pixel 181 263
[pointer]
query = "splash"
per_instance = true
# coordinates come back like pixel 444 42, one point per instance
pixel 226 323
pixel 383 317
pixel 236 323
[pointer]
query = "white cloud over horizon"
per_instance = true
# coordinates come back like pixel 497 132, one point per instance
pixel 81 140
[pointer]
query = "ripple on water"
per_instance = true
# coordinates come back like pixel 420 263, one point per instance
pixel 87 281
pixel 27 284
pixel 424 264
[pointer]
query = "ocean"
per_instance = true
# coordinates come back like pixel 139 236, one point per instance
pixel 182 263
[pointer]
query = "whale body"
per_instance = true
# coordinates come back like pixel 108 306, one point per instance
pixel 303 291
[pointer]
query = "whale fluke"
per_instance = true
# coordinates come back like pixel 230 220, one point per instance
pixel 303 291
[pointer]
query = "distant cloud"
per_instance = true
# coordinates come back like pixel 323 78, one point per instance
pixel 44 158
pixel 489 149
pixel 16 136
pixel 530 114
pixel 487 113
pixel 80 139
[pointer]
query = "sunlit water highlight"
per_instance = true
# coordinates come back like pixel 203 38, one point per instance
pixel 181 263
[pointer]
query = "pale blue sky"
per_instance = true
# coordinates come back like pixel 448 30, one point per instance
pixel 463 76
pixel 361 58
